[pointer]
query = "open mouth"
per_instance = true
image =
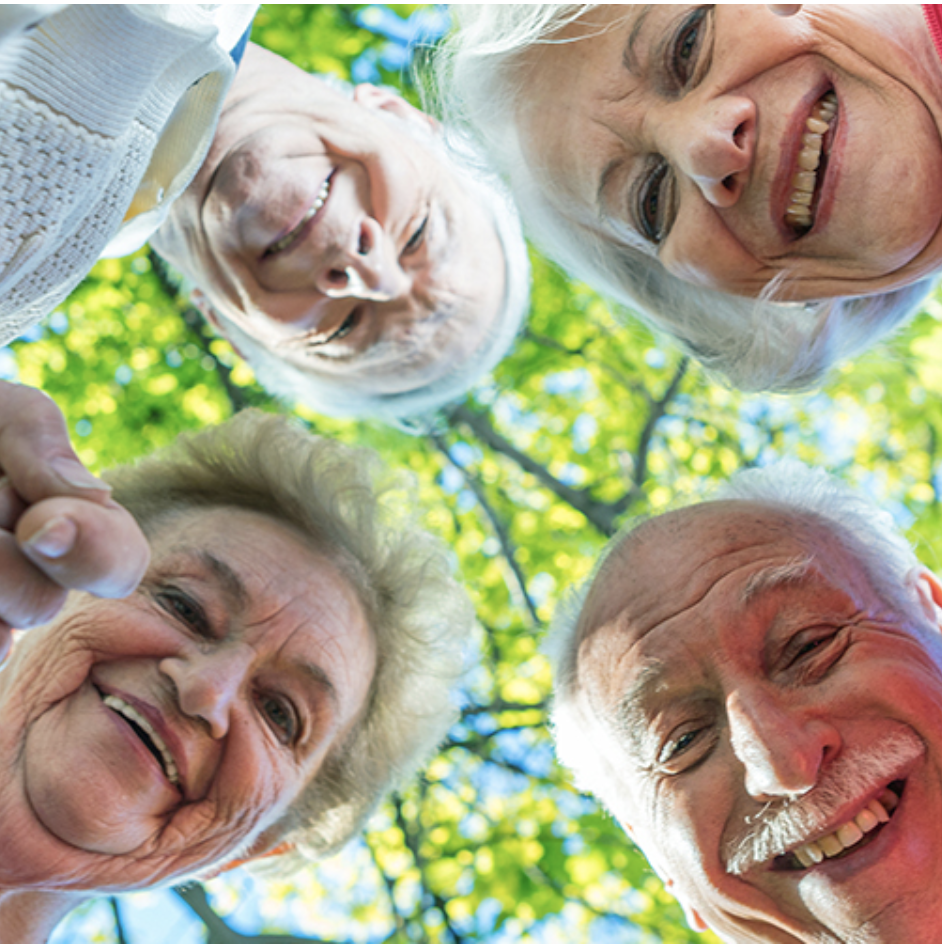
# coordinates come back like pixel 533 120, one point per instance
pixel 145 731
pixel 811 165
pixel 284 242
pixel 855 834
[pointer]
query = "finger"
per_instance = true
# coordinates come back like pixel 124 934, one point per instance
pixel 11 505
pixel 28 597
pixel 83 545
pixel 35 452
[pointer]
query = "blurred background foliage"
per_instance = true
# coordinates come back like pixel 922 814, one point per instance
pixel 588 422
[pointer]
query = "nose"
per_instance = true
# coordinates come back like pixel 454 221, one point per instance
pixel 782 748
pixel 208 685
pixel 367 268
pixel 713 143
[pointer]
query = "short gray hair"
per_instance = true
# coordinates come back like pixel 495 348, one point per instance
pixel 756 344
pixel 869 533
pixel 353 509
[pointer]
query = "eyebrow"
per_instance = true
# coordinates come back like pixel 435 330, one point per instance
pixel 231 583
pixel 777 576
pixel 629 55
pixel 631 715
pixel 320 678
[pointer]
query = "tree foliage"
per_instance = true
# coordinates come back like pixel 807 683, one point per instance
pixel 590 421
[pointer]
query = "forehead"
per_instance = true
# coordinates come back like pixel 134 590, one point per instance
pixel 693 575
pixel 268 576
pixel 574 82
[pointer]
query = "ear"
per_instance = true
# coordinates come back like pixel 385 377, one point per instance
pixel 385 100
pixel 218 322
pixel 694 919
pixel 928 591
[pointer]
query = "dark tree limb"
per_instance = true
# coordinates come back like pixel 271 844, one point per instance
pixel 218 932
pixel 500 529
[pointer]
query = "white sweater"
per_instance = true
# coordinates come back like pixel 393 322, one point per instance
pixel 106 113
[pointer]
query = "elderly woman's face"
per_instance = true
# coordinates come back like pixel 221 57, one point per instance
pixel 154 735
pixel 690 131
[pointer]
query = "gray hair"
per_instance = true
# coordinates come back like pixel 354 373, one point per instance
pixel 756 344
pixel 349 506
pixel 583 734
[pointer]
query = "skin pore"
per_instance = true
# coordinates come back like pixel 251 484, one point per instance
pixel 153 736
pixel 678 130
pixel 334 233
pixel 744 669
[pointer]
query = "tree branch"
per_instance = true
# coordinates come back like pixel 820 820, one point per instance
pixel 506 544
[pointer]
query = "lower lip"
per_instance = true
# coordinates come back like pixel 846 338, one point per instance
pixel 828 185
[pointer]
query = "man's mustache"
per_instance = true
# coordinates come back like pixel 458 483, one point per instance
pixel 782 826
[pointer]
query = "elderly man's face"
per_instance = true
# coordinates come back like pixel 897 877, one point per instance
pixel 334 233
pixel 768 710
pixel 157 734
pixel 684 131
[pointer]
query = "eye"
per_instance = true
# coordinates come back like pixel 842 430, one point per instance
pixel 684 749
pixel 812 653
pixel 280 715
pixel 185 609
pixel 685 49
pixel 416 239
pixel 653 202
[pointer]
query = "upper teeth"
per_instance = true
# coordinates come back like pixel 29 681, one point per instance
pixel 798 213
pixel 123 708
pixel 289 238
pixel 850 833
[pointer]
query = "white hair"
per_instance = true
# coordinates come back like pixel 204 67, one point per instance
pixel 756 344
pixel 345 502
pixel 583 732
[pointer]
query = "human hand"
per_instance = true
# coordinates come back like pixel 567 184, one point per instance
pixel 59 527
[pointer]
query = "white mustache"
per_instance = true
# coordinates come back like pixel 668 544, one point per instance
pixel 794 822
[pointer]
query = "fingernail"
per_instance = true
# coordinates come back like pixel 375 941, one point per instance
pixel 76 474
pixel 54 539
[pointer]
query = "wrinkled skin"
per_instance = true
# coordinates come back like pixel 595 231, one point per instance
pixel 703 131
pixel 736 695
pixel 243 645
pixel 396 278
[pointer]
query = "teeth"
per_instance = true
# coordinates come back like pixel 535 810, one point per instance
pixel 850 833
pixel 289 238
pixel 123 708
pixel 798 213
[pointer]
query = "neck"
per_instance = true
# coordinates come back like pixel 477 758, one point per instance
pixel 30 916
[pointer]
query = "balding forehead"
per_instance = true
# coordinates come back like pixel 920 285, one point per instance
pixel 665 553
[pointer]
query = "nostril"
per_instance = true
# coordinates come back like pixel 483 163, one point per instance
pixel 337 277
pixel 364 245
pixel 729 183
pixel 739 133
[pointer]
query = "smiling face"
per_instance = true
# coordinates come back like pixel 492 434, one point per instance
pixel 335 234
pixel 155 735
pixel 736 146
pixel 765 709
